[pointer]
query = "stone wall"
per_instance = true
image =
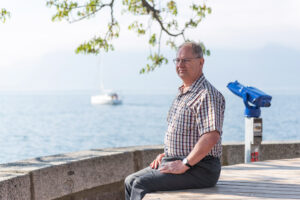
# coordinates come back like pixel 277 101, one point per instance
pixel 99 173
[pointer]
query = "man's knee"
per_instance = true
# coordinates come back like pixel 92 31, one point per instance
pixel 142 183
pixel 129 180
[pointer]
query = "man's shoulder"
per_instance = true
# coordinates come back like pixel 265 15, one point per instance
pixel 203 92
pixel 207 92
pixel 208 89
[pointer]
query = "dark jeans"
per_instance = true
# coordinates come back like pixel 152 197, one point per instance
pixel 204 174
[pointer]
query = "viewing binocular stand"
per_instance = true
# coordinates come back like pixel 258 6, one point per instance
pixel 253 99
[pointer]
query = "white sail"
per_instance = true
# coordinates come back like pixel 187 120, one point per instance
pixel 105 96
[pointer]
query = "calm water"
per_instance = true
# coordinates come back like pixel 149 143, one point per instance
pixel 37 125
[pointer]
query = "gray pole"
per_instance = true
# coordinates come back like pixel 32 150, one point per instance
pixel 253 138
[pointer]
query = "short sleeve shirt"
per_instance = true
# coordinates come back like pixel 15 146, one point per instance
pixel 197 111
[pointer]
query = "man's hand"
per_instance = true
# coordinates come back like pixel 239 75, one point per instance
pixel 157 161
pixel 175 167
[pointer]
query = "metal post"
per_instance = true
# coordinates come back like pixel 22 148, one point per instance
pixel 248 136
pixel 253 138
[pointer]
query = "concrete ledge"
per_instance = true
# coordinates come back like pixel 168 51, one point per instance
pixel 61 180
pixel 233 153
pixel 99 173
pixel 14 186
pixel 56 176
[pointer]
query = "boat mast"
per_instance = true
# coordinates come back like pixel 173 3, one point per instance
pixel 101 74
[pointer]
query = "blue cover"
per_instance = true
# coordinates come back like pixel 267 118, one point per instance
pixel 253 98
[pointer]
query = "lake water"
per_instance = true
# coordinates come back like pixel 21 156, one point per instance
pixel 39 125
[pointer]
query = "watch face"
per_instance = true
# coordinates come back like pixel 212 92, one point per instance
pixel 186 162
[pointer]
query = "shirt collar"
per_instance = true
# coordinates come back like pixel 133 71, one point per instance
pixel 194 87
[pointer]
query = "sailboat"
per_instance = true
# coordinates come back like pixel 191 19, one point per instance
pixel 106 96
pixel 111 98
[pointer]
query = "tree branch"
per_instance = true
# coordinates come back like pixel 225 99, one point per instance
pixel 167 24
pixel 159 42
pixel 84 6
pixel 155 15
pixel 86 16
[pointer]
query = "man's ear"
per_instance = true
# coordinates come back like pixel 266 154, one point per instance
pixel 202 61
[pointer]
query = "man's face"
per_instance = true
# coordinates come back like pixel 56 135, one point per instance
pixel 190 70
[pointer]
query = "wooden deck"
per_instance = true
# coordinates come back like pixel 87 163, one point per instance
pixel 275 179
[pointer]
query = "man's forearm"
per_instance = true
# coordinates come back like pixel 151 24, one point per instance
pixel 203 147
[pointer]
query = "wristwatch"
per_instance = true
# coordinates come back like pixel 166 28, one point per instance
pixel 186 162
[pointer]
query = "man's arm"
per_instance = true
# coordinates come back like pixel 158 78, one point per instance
pixel 200 150
pixel 203 147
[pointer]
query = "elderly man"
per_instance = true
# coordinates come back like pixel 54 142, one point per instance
pixel 192 146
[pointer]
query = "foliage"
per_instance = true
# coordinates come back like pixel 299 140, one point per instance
pixel 4 14
pixel 162 12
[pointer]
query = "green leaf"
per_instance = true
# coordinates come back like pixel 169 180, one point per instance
pixel 4 14
pixel 152 40
pixel 209 10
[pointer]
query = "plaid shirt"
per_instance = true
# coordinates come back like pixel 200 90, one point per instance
pixel 194 113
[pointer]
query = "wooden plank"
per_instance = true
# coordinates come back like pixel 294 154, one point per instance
pixel 276 179
pixel 263 189
pixel 254 191
pixel 208 196
pixel 241 194
pixel 258 184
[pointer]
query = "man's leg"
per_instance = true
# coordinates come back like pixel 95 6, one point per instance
pixel 131 178
pixel 204 174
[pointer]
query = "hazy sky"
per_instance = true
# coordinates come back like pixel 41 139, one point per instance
pixel 256 42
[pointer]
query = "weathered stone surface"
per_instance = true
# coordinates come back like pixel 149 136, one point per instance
pixel 14 186
pixel 114 191
pixel 57 181
pixel 232 153
pixel 279 150
pixel 143 155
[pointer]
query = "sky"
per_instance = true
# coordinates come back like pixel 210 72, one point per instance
pixel 255 42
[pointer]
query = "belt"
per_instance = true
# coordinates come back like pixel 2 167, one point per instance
pixel 206 158
pixel 209 157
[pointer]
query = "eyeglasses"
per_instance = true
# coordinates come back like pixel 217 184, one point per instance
pixel 183 61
